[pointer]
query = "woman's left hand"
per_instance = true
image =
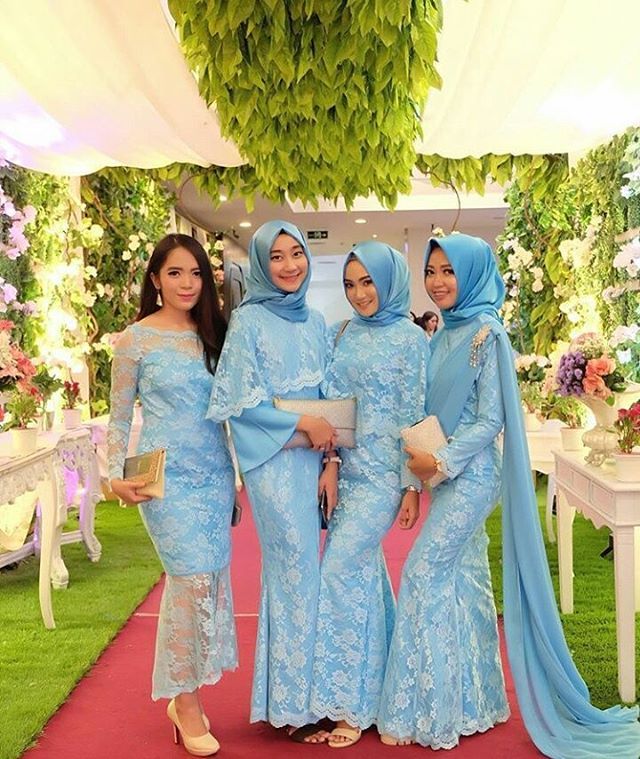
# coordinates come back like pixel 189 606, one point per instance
pixel 409 510
pixel 420 463
pixel 328 483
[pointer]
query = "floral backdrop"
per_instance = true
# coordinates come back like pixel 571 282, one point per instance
pixel 571 257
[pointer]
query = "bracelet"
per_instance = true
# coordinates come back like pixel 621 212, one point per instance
pixel 332 460
pixel 410 489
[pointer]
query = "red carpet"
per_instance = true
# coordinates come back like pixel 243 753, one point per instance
pixel 111 716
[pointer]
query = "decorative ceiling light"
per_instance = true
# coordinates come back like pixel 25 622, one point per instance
pixel 245 224
pixel 360 221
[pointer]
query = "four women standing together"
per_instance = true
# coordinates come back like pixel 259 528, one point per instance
pixel 328 644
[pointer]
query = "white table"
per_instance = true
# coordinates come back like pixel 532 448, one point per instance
pixel 541 444
pixel 605 501
pixel 43 473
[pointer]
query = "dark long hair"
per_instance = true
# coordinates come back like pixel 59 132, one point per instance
pixel 206 313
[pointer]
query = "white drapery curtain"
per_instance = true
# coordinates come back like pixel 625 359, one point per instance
pixel 93 83
pixel 549 76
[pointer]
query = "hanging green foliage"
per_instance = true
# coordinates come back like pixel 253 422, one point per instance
pixel 323 98
pixel 542 174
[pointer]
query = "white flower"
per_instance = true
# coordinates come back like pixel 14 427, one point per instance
pixel 622 333
pixel 134 242
pixel 100 289
pixel 126 255
pixel 149 248
pixel 90 271
pixel 142 236
pixel 626 191
pixel 218 245
pixel 624 356
pixel 537 272
pixel 537 286
pixel 89 299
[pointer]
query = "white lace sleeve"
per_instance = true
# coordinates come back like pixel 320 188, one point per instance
pixel 124 390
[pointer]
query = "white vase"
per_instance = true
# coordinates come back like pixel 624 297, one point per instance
pixel 72 418
pixel 571 438
pixel 601 439
pixel 531 422
pixel 24 441
pixel 627 466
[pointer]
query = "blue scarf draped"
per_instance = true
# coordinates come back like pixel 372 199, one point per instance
pixel 390 274
pixel 260 288
pixel 553 698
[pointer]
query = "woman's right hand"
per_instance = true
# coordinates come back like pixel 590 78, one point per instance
pixel 323 436
pixel 127 492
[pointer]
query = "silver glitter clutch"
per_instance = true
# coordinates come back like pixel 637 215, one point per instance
pixel 427 436
pixel 340 413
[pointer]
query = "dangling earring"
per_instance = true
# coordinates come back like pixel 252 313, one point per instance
pixel 158 298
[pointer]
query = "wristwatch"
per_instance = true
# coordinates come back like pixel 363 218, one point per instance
pixel 410 489
pixel 332 460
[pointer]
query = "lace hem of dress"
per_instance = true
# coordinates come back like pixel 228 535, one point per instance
pixel 468 728
pixel 321 711
pixel 221 412
pixel 284 720
pixel 190 685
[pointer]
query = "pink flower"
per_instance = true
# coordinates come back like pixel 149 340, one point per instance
pixel 594 385
pixel 6 324
pixel 600 366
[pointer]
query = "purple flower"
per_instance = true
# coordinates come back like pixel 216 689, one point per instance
pixel 570 373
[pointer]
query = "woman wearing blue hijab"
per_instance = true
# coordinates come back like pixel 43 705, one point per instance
pixel 380 358
pixel 444 677
pixel 275 347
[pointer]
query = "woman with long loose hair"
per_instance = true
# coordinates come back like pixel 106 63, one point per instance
pixel 167 360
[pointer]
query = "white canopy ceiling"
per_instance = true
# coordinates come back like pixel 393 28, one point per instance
pixel 90 84
pixel 99 83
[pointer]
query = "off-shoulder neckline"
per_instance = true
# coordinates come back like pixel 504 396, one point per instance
pixel 163 331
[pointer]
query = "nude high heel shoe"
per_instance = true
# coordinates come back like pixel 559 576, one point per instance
pixel 200 745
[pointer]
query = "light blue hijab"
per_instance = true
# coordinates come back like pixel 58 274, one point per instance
pixel 260 288
pixel 390 274
pixel 553 698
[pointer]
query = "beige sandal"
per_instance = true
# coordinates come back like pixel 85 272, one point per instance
pixel 389 740
pixel 352 734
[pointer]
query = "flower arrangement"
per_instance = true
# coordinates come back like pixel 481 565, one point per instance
pixel 588 369
pixel 70 394
pixel 530 371
pixel 627 426
pixel 15 367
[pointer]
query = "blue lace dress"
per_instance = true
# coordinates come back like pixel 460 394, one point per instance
pixel 444 675
pixel 267 356
pixel 190 526
pixel 384 367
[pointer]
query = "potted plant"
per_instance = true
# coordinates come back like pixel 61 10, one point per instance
pixel 530 371
pixel 627 426
pixel 71 415
pixel 46 385
pixel 573 414
pixel 22 410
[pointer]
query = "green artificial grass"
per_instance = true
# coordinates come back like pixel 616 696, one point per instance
pixel 591 630
pixel 39 667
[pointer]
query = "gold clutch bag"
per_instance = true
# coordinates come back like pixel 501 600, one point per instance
pixel 147 470
pixel 340 413
pixel 427 436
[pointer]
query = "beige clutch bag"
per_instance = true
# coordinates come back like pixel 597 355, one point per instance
pixel 147 469
pixel 340 413
pixel 427 436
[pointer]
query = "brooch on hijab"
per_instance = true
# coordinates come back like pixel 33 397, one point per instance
pixel 478 339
